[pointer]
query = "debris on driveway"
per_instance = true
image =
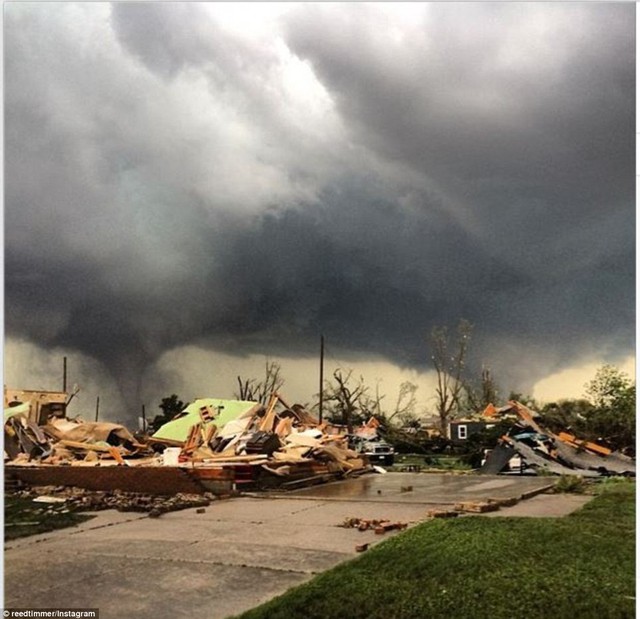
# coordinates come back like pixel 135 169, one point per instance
pixel 442 513
pixel 477 507
pixel 380 526
pixel 79 499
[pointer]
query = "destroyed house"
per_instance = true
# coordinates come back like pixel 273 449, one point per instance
pixel 460 430
pixel 38 406
pixel 212 445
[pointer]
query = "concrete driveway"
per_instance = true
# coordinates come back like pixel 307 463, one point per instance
pixel 234 556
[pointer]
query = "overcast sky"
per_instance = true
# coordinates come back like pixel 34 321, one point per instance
pixel 190 188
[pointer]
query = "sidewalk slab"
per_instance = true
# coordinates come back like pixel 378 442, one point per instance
pixel 544 506
pixel 239 552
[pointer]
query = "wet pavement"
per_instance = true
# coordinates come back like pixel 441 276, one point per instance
pixel 544 506
pixel 426 489
pixel 239 552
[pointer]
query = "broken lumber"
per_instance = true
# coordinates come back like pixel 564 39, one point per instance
pixel 85 446
pixel 266 425
pixel 477 507
pixel 572 440
pixel 115 454
pixel 442 513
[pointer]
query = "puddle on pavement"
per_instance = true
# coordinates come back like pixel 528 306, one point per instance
pixel 423 487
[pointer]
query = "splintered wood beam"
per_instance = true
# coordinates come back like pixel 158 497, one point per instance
pixel 115 454
pixel 267 421
pixel 282 401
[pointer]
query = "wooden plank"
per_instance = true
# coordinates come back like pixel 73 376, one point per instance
pixel 284 427
pixel 266 425
pixel 115 454
pixel 165 441
pixel 526 415
pixel 194 438
pixel 210 433
pixel 574 441
pixel 247 458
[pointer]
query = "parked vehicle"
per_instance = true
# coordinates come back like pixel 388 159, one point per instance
pixel 376 449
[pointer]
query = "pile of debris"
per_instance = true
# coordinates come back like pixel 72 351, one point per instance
pixel 245 442
pixel 74 442
pixel 79 499
pixel 276 441
pixel 36 429
pixel 540 450
pixel 380 526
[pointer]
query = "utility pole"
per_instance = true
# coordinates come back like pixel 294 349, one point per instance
pixel 64 374
pixel 321 374
pixel 144 420
pixel 97 408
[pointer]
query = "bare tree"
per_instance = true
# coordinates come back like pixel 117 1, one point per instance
pixel 479 397
pixel 350 397
pixel 449 359
pixel 254 390
pixel 489 388
pixel 406 402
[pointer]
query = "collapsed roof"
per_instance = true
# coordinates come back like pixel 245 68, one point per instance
pixel 541 450
pixel 208 411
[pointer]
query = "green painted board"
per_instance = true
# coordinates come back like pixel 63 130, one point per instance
pixel 17 410
pixel 178 429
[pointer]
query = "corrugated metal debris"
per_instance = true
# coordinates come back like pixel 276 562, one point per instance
pixel 540 450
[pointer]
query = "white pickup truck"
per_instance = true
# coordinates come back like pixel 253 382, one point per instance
pixel 376 449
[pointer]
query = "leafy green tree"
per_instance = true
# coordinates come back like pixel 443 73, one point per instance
pixel 567 415
pixel 613 395
pixel 611 388
pixel 170 407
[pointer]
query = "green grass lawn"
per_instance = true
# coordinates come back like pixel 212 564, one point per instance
pixel 578 567
pixel 23 517
pixel 436 461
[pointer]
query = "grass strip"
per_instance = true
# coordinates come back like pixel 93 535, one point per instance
pixel 582 565
pixel 23 517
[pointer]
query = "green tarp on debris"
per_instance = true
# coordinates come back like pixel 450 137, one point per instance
pixel 224 411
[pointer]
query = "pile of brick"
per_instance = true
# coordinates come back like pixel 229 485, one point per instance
pixel 380 526
pixel 472 507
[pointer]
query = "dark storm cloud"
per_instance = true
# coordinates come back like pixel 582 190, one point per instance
pixel 366 175
pixel 518 115
pixel 523 114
